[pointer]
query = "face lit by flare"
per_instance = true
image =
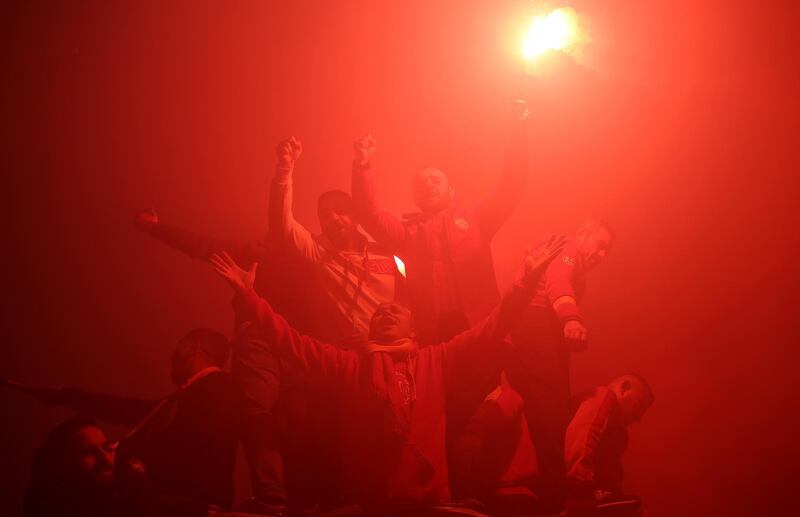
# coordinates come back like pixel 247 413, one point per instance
pixel 432 190
pixel 90 457
pixel 390 322
pixel 595 244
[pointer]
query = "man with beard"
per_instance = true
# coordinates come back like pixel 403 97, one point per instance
pixel 187 441
pixel 73 475
pixel 354 275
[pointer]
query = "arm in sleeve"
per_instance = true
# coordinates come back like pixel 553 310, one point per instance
pixel 282 223
pixel 321 361
pixel 468 351
pixel 108 408
pixel 558 284
pixel 583 438
pixel 382 226
pixel 495 210
pixel 201 247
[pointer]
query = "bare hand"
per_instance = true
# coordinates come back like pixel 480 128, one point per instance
pixel 288 152
pixel 146 219
pixel 365 149
pixel 521 110
pixel 228 269
pixel 576 336
pixel 537 260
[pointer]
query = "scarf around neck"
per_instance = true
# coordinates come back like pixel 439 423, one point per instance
pixel 383 383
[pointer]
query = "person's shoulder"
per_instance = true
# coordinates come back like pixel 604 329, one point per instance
pixel 219 380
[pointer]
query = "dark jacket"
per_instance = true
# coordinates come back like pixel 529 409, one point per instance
pixel 594 444
pixel 447 255
pixel 189 445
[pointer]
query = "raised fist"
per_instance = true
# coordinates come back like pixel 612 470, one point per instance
pixel 146 219
pixel 365 149
pixel 288 152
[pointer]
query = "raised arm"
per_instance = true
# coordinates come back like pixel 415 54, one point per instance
pixel 381 225
pixel 321 361
pixel 282 223
pixel 108 408
pixel 495 209
pixel 194 245
pixel 465 351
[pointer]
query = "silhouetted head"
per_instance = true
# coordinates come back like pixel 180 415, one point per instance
pixel 76 452
pixel 595 239
pixel 390 322
pixel 337 217
pixel 432 190
pixel 635 396
pixel 199 349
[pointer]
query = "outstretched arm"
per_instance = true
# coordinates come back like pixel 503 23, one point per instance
pixel 381 225
pixel 108 408
pixel 322 361
pixel 463 352
pixel 495 210
pixel 281 217
pixel 194 245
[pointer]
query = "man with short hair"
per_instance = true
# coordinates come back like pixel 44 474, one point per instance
pixel 596 439
pixel 253 365
pixel 446 247
pixel 551 329
pixel 393 391
pixel 73 474
pixel 354 274
pixel 187 441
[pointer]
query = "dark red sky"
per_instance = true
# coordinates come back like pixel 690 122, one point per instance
pixel 682 130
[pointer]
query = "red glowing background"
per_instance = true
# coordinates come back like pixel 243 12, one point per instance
pixel 680 128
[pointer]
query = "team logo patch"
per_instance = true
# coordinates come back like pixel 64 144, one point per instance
pixel 566 259
pixel 380 266
pixel 462 224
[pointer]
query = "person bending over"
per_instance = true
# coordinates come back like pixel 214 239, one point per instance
pixel 595 441
pixel 550 331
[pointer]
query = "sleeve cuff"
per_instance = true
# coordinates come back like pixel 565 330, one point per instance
pixel 568 312
pixel 283 175
pixel 361 167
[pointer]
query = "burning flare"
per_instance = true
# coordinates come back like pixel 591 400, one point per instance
pixel 558 30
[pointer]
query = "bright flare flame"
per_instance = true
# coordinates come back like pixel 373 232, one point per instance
pixel 557 30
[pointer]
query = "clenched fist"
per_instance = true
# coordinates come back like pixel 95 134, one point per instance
pixel 365 149
pixel 288 151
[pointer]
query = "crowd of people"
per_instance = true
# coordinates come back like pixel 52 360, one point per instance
pixel 375 370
